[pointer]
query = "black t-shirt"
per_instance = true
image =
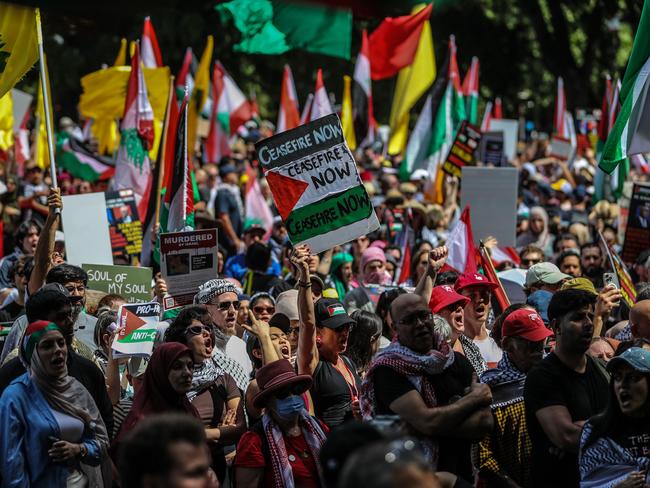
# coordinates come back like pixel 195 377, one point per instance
pixel 634 436
pixel 80 368
pixel 454 454
pixel 330 393
pixel 552 383
pixel 11 312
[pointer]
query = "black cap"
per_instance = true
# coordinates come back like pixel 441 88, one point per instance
pixel 330 313
pixel 280 321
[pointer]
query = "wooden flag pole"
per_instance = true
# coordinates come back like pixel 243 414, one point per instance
pixel 163 147
pixel 46 100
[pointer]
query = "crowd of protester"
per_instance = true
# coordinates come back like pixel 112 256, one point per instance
pixel 293 369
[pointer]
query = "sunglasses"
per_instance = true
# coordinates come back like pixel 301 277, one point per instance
pixel 420 316
pixel 225 306
pixel 197 330
pixel 261 310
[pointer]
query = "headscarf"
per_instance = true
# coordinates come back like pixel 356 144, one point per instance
pixel 378 278
pixel 541 240
pixel 157 394
pixel 339 260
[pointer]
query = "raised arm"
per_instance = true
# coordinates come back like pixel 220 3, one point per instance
pixel 261 330
pixel 437 258
pixel 307 351
pixel 45 246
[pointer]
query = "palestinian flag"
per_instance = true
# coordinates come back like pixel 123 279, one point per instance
pixel 233 109
pixel 177 213
pixel 321 104
pixel 487 117
pixel 80 162
pixel 470 91
pixel 132 166
pixel 151 57
pixel 288 115
pixel 365 124
pixel 185 76
pixel 631 131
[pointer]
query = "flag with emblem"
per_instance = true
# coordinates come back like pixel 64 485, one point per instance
pixel 18 48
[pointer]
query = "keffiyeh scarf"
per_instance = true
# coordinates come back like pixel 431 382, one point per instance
pixel 204 375
pixel 505 372
pixel 314 436
pixel 473 354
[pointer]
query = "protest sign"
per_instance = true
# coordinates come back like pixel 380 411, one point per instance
pixel 188 259
pixel 86 229
pixel 137 327
pixel 462 150
pixel 637 232
pixel 491 194
pixel 133 283
pixel 315 184
pixel 491 148
pixel 510 129
pixel 561 148
pixel 125 226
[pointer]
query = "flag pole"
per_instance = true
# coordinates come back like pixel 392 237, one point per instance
pixel 46 100
pixel 487 260
pixel 163 142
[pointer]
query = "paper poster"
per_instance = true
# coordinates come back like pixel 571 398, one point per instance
pixel 188 260
pixel 491 194
pixel 86 229
pixel 462 150
pixel 637 231
pixel 561 148
pixel 510 129
pixel 315 184
pixel 125 225
pixel 137 328
pixel 132 282
pixel 491 149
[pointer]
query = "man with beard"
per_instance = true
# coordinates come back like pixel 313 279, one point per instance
pixel 221 298
pixel 564 390
pixel 55 304
pixel 591 260
pixel 74 280
pixel 478 289
pixel 430 387
pixel 504 455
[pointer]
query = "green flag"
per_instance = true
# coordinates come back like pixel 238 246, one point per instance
pixel 275 27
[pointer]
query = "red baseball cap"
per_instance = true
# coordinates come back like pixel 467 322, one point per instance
pixel 444 295
pixel 525 323
pixel 473 279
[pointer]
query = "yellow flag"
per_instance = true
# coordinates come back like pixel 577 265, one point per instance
pixel 412 82
pixel 41 154
pixel 120 60
pixel 199 93
pixel 346 114
pixel 6 121
pixel 18 48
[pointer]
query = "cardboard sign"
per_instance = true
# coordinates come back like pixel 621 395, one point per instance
pixel 491 148
pixel 491 194
pixel 86 229
pixel 315 184
pixel 125 226
pixel 462 150
pixel 188 260
pixel 561 148
pixel 637 232
pixel 510 129
pixel 137 328
pixel 132 282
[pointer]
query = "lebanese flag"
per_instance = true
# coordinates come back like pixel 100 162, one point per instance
pixel 487 117
pixel 460 243
pixel 498 109
pixel 394 43
pixel 179 194
pixel 288 115
pixel 132 165
pixel 233 109
pixel 321 104
pixel 470 91
pixel 306 109
pixel 365 124
pixel 151 57
pixel 256 205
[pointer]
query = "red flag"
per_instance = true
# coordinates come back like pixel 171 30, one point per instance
pixel 560 109
pixel 603 123
pixel 498 110
pixel 490 272
pixel 462 252
pixel 394 43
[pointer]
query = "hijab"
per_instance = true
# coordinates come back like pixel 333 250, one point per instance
pixel 339 260
pixel 541 240
pixel 157 394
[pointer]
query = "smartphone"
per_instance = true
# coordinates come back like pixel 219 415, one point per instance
pixel 609 278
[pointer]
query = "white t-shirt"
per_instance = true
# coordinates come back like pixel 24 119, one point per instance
pixel 489 350
pixel 236 349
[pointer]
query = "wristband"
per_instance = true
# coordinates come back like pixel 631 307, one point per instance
pixel 304 284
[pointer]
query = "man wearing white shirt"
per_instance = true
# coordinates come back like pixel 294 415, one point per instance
pixel 221 299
